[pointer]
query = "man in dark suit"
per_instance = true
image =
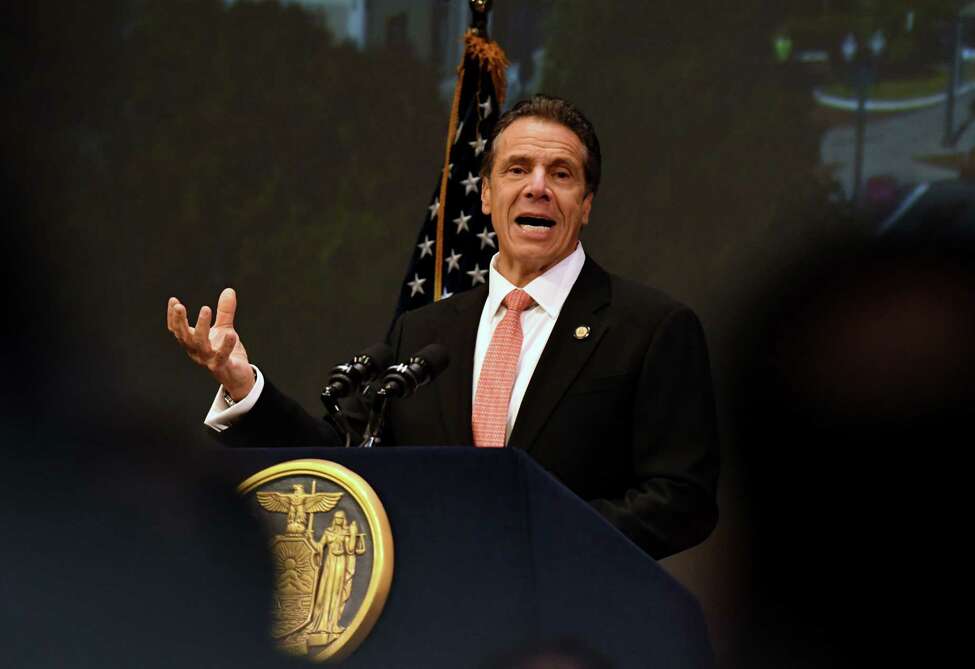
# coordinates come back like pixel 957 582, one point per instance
pixel 604 382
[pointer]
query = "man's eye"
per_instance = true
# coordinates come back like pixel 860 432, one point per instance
pixel 562 174
pixel 516 170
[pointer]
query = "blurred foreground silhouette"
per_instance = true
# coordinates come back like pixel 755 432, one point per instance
pixel 853 418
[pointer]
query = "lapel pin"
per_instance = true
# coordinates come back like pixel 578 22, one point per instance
pixel 582 332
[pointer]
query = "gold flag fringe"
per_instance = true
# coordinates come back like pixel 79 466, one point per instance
pixel 491 57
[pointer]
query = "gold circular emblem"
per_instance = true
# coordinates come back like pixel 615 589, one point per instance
pixel 582 332
pixel 332 555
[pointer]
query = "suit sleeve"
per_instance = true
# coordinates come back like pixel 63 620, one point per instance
pixel 671 505
pixel 277 420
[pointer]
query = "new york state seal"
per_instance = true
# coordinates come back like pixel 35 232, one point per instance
pixel 332 554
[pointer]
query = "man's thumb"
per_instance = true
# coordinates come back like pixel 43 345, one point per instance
pixel 226 308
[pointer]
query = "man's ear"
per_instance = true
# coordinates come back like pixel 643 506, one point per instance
pixel 586 208
pixel 485 196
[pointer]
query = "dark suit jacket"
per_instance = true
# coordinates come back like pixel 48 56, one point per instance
pixel 624 417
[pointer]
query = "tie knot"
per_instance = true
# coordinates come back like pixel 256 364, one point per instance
pixel 518 300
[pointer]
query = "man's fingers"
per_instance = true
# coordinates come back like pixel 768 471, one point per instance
pixel 196 340
pixel 226 308
pixel 226 348
pixel 201 333
pixel 182 326
pixel 170 322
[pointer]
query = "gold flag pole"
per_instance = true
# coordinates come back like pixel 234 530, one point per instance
pixel 489 56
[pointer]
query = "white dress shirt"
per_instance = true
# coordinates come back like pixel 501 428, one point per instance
pixel 549 291
pixel 222 415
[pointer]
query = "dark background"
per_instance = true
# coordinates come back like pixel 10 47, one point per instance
pixel 153 149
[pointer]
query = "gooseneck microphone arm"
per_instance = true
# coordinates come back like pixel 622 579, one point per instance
pixel 335 413
pixel 401 381
pixel 377 414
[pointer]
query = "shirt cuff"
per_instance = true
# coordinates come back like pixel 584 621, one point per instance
pixel 222 415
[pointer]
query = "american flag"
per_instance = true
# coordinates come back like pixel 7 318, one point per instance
pixel 456 241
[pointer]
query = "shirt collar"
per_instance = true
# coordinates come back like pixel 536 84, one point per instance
pixel 549 290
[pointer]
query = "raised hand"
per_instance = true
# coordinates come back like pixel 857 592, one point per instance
pixel 217 348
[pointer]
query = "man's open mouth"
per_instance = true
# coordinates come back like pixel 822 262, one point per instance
pixel 534 222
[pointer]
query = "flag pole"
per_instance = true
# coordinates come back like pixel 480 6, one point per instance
pixel 487 55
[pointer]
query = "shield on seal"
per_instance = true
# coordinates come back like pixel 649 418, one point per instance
pixel 296 567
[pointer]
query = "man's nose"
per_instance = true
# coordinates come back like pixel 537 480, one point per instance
pixel 537 185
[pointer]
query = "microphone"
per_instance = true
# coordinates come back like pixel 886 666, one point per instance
pixel 347 378
pixel 402 380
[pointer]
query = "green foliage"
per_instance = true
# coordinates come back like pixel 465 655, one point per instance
pixel 916 48
pixel 711 157
pixel 185 146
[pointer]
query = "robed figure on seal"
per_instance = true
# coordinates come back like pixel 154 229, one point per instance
pixel 338 548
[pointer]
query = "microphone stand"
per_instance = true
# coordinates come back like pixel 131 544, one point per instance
pixel 338 417
pixel 377 414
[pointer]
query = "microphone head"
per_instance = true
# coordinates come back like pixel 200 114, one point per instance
pixel 363 368
pixel 380 356
pixel 434 357
pixel 403 379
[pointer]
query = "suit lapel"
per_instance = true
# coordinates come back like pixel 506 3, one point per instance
pixel 458 333
pixel 564 354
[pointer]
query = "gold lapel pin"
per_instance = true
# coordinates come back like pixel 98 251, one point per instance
pixel 582 332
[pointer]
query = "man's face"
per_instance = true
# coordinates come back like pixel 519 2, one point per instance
pixel 536 196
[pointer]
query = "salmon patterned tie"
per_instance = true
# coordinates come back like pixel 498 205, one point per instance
pixel 490 415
